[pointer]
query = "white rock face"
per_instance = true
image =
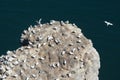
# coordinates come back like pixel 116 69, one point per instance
pixel 51 51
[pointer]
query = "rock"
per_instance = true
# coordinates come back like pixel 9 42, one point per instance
pixel 54 51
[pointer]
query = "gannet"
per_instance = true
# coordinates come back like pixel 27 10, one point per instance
pixel 39 22
pixel 108 23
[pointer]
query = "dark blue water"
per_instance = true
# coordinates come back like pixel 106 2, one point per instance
pixel 89 15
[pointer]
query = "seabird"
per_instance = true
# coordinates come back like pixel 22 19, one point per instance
pixel 39 22
pixel 108 23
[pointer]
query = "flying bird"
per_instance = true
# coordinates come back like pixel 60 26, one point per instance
pixel 108 23
pixel 39 22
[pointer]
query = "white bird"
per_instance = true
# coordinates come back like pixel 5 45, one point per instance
pixel 108 23
pixel 39 22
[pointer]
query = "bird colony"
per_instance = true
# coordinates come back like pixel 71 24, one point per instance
pixel 51 51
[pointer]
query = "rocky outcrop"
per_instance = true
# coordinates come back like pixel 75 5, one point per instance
pixel 51 51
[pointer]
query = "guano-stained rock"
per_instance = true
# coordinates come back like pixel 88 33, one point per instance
pixel 51 51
